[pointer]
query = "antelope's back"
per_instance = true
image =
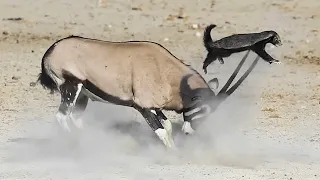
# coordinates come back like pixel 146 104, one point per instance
pixel 140 71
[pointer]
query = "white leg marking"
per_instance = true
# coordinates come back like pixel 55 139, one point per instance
pixel 167 126
pixel 154 112
pixel 165 138
pixel 77 122
pixel 186 128
pixel 62 120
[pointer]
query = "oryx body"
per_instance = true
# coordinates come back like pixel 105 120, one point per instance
pixel 139 74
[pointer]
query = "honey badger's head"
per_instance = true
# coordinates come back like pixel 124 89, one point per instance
pixel 275 39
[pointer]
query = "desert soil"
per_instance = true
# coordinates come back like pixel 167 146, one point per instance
pixel 268 129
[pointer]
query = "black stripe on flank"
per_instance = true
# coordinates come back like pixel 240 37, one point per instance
pixel 70 79
pixel 105 96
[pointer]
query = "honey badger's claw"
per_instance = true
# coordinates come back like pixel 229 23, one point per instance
pixel 277 62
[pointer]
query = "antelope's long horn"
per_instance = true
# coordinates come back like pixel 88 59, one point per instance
pixel 234 74
pixel 224 93
pixel 243 77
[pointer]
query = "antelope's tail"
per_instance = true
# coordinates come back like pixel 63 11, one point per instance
pixel 45 80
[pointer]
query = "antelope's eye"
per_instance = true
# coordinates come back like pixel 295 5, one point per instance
pixel 195 98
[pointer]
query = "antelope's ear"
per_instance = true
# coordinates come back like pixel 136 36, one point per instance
pixel 214 83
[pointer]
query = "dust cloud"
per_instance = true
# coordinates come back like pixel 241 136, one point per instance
pixel 117 138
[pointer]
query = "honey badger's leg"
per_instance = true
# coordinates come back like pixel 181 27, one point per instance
pixel 157 127
pixel 220 60
pixel 259 49
pixel 209 59
pixel 73 103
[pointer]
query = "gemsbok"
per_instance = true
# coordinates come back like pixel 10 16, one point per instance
pixel 140 74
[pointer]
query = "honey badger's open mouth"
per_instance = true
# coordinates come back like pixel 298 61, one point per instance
pixel 272 51
pixel 278 43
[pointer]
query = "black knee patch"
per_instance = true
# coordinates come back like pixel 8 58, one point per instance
pixel 68 93
pixel 151 118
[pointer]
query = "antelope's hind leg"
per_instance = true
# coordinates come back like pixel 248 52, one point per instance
pixel 80 105
pixel 73 103
pixel 157 127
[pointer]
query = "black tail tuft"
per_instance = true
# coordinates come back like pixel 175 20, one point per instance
pixel 207 40
pixel 45 79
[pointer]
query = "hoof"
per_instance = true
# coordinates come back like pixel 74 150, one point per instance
pixel 187 129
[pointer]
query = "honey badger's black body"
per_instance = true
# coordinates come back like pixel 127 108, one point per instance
pixel 237 43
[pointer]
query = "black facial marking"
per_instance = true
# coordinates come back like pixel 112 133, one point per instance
pixel 189 118
pixel 196 98
pixel 213 100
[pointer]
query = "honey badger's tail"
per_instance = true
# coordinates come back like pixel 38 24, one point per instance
pixel 207 40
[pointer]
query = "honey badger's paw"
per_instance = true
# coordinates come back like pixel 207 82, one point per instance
pixel 276 62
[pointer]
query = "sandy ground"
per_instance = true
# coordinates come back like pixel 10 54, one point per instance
pixel 269 128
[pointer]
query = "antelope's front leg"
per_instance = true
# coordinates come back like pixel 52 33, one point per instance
pixel 72 105
pixel 165 123
pixel 158 128
pixel 186 128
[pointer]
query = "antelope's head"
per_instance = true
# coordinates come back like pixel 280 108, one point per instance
pixel 203 101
